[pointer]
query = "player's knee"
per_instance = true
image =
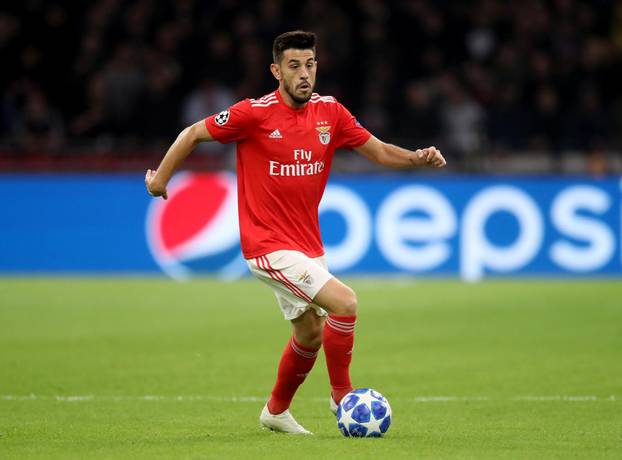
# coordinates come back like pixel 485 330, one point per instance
pixel 349 303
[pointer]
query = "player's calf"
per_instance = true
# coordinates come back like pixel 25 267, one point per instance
pixel 338 338
pixel 308 329
pixel 296 362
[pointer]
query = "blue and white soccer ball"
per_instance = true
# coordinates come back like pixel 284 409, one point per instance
pixel 364 413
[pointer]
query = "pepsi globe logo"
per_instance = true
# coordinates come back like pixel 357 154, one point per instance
pixel 196 230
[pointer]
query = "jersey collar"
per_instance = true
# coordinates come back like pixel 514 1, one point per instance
pixel 287 107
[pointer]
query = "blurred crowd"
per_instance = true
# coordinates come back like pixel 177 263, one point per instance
pixel 476 78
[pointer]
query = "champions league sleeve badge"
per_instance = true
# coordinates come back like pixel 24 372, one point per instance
pixel 222 118
pixel 324 134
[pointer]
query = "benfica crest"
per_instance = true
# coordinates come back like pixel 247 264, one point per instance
pixel 324 134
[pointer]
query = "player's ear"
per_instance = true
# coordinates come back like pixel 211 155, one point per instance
pixel 276 71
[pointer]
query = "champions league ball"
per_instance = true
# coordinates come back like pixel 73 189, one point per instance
pixel 364 413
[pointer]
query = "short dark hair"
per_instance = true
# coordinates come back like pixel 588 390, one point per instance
pixel 296 39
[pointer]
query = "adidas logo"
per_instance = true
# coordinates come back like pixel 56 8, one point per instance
pixel 276 134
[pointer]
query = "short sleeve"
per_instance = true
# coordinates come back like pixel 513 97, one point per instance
pixel 232 124
pixel 350 133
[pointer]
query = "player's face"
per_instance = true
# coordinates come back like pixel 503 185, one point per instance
pixel 297 70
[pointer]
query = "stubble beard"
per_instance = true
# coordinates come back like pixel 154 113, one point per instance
pixel 298 99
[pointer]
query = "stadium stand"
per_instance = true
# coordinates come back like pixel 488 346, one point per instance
pixel 527 87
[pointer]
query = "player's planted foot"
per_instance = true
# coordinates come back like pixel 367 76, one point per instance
pixel 283 422
pixel 333 406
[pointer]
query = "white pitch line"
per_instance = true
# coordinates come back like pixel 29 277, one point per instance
pixel 564 398
pixel 74 398
pixel 426 399
pixel 254 399
pixel 84 398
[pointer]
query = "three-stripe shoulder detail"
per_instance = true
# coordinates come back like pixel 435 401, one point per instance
pixel 265 101
pixel 315 98
pixel 271 98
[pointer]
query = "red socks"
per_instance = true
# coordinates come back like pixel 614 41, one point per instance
pixel 338 341
pixel 296 362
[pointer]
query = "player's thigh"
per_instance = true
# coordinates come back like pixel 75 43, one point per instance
pixel 337 298
pixel 294 278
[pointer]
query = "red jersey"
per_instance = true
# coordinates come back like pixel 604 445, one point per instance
pixel 283 160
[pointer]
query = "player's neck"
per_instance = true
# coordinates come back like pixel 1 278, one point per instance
pixel 287 99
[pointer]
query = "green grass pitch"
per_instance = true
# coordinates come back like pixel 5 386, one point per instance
pixel 135 368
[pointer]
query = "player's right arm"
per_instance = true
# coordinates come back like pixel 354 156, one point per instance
pixel 231 125
pixel 188 139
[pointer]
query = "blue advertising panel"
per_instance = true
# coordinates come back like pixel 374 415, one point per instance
pixel 470 227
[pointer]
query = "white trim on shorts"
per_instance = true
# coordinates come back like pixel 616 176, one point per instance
pixel 264 264
pixel 294 278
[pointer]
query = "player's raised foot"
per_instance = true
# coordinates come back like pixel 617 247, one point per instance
pixel 333 406
pixel 283 422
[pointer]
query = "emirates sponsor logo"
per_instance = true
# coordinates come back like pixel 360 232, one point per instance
pixel 302 165
pixel 296 169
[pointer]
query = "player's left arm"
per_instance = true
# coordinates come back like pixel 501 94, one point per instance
pixel 396 157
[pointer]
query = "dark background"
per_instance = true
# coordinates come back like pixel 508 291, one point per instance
pixel 523 87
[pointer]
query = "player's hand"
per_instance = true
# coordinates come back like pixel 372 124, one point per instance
pixel 153 187
pixel 430 156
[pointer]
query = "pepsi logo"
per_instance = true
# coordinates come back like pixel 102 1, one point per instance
pixel 196 230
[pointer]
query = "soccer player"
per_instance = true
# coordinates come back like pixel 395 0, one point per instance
pixel 285 144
